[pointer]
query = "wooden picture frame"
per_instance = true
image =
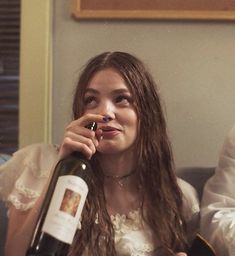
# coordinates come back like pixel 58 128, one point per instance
pixel 154 9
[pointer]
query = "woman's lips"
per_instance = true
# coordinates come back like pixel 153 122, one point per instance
pixel 109 132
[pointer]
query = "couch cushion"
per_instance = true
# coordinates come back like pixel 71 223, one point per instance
pixel 4 158
pixel 196 176
pixel 3 212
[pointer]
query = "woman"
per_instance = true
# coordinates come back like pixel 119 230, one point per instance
pixel 139 208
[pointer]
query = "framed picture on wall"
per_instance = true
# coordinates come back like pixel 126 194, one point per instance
pixel 154 9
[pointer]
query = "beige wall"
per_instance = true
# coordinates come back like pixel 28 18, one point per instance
pixel 193 63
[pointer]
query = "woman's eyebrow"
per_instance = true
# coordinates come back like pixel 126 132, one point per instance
pixel 116 91
pixel 121 90
pixel 91 90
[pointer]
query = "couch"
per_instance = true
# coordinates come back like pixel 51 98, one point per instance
pixel 196 176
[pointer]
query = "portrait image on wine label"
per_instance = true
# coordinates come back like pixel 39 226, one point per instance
pixel 70 202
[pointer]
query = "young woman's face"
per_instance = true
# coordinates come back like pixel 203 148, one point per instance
pixel 108 95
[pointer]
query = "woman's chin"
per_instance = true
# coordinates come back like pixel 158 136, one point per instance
pixel 108 149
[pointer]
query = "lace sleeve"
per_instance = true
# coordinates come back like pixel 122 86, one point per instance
pixel 218 201
pixel 23 177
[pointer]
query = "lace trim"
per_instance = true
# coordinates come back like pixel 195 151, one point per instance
pixel 29 193
pixel 19 205
pixel 142 249
pixel 195 208
pixel 124 223
pixel 226 226
pixel 132 215
pixel 41 174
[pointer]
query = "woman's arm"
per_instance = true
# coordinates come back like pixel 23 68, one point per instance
pixel 218 202
pixel 23 180
pixel 20 229
pixel 21 223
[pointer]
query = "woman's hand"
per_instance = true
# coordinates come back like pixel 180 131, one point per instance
pixel 181 254
pixel 79 138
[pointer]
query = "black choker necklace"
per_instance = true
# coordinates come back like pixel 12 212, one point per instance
pixel 120 179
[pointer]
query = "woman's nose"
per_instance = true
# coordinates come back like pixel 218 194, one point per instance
pixel 107 109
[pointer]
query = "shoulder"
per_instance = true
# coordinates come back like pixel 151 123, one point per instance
pixel 27 170
pixel 35 157
pixel 218 201
pixel 191 208
pixel 189 192
pixel 41 153
pixel 190 198
pixel 222 182
pixel 231 133
pixel 229 144
pixel 219 191
pixel 36 150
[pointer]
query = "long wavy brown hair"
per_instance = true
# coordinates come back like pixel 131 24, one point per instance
pixel 160 196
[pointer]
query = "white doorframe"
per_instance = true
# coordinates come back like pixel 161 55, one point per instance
pixel 35 107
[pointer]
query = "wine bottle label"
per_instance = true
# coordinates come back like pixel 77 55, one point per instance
pixel 65 208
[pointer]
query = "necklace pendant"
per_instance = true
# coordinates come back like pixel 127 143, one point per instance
pixel 120 183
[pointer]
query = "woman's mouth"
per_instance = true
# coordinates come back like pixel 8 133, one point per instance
pixel 109 132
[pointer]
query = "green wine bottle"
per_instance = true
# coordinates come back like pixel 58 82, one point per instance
pixel 62 207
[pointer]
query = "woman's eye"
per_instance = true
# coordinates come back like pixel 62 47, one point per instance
pixel 123 99
pixel 90 101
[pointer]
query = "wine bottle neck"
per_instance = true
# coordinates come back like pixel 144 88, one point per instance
pixel 78 154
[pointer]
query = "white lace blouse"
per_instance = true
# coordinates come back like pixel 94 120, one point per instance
pixel 218 202
pixel 23 177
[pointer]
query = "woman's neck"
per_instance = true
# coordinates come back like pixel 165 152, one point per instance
pixel 117 165
pixel 121 193
pixel 120 184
